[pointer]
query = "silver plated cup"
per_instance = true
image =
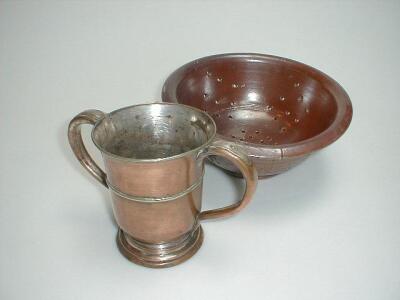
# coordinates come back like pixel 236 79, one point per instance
pixel 154 166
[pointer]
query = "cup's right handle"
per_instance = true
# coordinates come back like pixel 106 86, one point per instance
pixel 238 157
pixel 91 117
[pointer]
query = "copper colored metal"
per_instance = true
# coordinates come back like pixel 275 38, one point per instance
pixel 278 109
pixel 154 160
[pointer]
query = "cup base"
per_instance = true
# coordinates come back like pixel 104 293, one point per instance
pixel 160 255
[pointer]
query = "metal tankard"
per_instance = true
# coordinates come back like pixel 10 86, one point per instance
pixel 154 165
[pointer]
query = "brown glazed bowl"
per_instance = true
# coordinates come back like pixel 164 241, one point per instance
pixel 279 109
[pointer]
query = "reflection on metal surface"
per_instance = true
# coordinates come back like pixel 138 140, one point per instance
pixel 147 199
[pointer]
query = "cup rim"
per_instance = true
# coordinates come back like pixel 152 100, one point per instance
pixel 176 156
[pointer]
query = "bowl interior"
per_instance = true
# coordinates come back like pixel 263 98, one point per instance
pixel 258 100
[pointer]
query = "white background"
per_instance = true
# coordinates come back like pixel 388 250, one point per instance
pixel 328 229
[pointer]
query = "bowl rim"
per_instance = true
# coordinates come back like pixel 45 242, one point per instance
pixel 304 147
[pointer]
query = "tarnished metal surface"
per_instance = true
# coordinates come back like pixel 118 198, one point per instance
pixel 148 199
pixel 154 158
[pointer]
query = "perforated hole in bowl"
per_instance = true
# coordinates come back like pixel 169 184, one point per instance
pixel 271 102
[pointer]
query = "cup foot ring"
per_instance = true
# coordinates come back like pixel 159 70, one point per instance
pixel 160 255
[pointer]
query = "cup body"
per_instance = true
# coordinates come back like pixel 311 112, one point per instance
pixel 156 202
pixel 154 166
pixel 154 169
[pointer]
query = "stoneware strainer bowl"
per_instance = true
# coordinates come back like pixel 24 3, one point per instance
pixel 280 110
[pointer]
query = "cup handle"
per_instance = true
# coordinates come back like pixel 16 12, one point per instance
pixel 238 157
pixel 91 117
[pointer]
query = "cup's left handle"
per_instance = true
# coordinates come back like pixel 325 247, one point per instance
pixel 91 117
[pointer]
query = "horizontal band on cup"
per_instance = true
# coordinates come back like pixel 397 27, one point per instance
pixel 148 199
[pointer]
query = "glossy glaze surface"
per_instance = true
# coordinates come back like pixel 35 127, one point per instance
pixel 276 108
